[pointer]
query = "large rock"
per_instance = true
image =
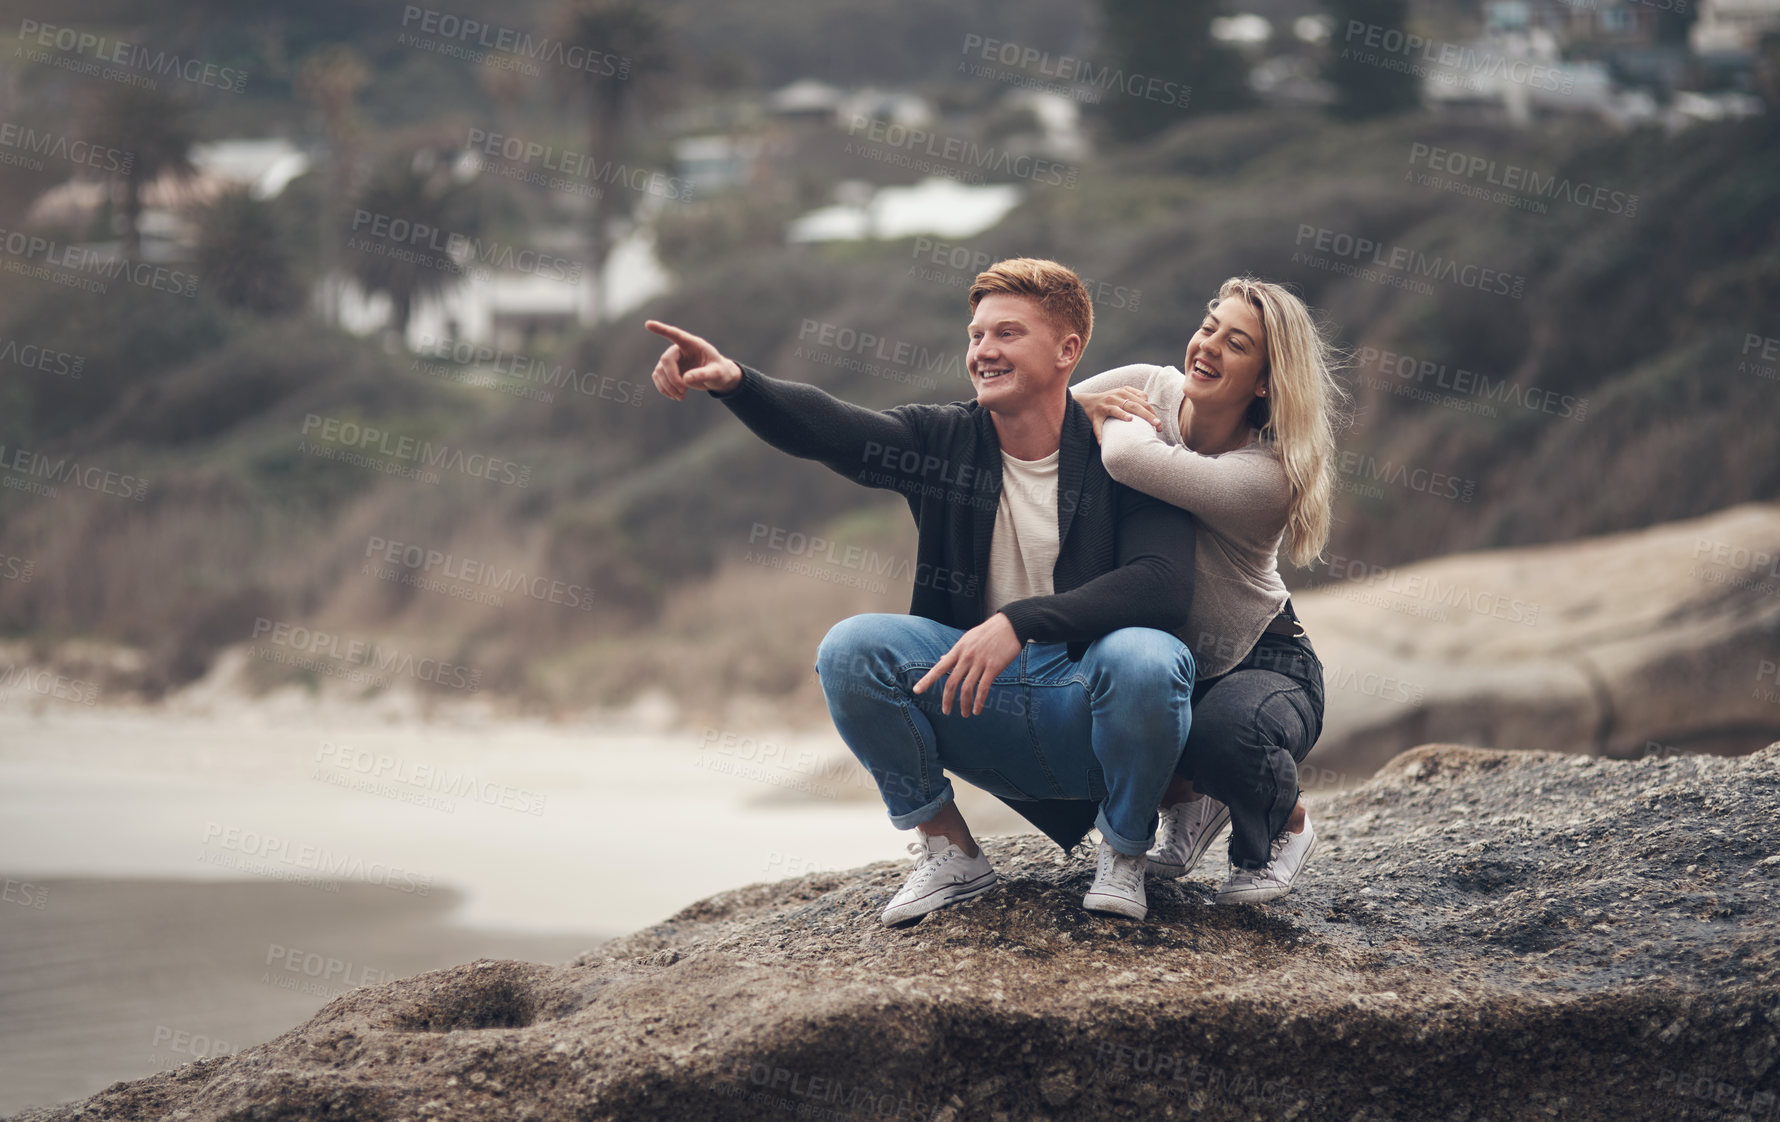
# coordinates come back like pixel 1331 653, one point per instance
pixel 1482 935
pixel 1652 642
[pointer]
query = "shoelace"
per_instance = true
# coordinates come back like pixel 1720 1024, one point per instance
pixel 1124 873
pixel 1278 847
pixel 1273 851
pixel 1165 836
pixel 926 862
pixel 1172 828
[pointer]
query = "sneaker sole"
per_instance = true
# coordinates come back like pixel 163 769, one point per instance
pixel 908 913
pixel 1262 895
pixel 1167 871
pixel 1114 905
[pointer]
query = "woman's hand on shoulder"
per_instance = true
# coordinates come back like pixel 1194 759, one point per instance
pixel 1126 403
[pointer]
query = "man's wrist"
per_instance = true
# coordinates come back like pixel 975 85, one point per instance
pixel 740 376
pixel 1012 630
pixel 1016 614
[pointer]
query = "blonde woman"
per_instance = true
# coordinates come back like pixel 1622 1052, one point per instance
pixel 1243 437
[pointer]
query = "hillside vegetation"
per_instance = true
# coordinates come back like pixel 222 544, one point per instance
pixel 1609 386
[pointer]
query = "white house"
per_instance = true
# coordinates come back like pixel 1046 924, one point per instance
pixel 1733 26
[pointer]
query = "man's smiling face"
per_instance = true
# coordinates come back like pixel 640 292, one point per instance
pixel 1016 354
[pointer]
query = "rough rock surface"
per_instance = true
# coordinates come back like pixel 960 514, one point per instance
pixel 1481 935
pixel 1650 642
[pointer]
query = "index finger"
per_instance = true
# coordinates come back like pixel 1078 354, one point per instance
pixel 939 668
pixel 686 339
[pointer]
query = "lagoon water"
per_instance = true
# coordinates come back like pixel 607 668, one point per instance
pixel 179 885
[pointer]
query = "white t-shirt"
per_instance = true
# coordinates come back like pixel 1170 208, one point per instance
pixel 1023 547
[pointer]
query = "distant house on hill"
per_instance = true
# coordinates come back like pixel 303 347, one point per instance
pixel 709 164
pixel 508 310
pixel 1517 69
pixel 1733 27
pixel 936 206
pixel 263 166
pixel 1594 24
pixel 805 99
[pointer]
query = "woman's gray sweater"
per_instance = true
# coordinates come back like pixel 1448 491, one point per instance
pixel 1240 497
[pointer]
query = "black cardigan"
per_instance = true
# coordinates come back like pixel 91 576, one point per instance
pixel 1127 561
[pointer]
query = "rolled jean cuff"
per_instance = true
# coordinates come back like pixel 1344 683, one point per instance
pixel 915 817
pixel 1130 847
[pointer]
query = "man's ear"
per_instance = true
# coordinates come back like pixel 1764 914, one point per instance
pixel 1069 351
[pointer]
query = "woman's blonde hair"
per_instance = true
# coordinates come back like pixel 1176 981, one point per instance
pixel 1297 417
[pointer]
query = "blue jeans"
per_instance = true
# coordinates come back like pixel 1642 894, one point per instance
pixel 1108 729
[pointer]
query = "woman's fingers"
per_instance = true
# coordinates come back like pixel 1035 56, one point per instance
pixel 1134 413
pixel 1137 405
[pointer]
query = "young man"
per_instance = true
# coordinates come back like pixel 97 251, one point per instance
pixel 1045 594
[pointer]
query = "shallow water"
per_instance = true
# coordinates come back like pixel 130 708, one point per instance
pixel 178 886
pixel 541 828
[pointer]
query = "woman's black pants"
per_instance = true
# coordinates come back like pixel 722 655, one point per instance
pixel 1251 727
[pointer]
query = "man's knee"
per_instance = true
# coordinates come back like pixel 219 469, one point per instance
pixel 847 649
pixel 863 649
pixel 1145 656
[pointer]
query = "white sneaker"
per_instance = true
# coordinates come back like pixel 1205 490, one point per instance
pixel 1118 885
pixel 943 874
pixel 1184 832
pixel 1290 853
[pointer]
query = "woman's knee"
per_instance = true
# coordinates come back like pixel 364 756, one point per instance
pixel 1285 719
pixel 1219 719
pixel 1225 746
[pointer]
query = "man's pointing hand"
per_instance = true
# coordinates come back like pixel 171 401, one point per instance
pixel 691 363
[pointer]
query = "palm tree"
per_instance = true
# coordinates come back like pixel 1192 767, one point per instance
pixel 152 125
pixel 331 79
pixel 243 257
pixel 626 40
pixel 410 193
pixel 1365 89
pixel 505 87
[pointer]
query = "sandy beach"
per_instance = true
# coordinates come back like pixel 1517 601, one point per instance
pixel 175 886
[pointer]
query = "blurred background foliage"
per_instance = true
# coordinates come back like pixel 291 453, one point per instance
pixel 649 504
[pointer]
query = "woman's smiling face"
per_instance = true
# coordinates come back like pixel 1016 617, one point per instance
pixel 1226 357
